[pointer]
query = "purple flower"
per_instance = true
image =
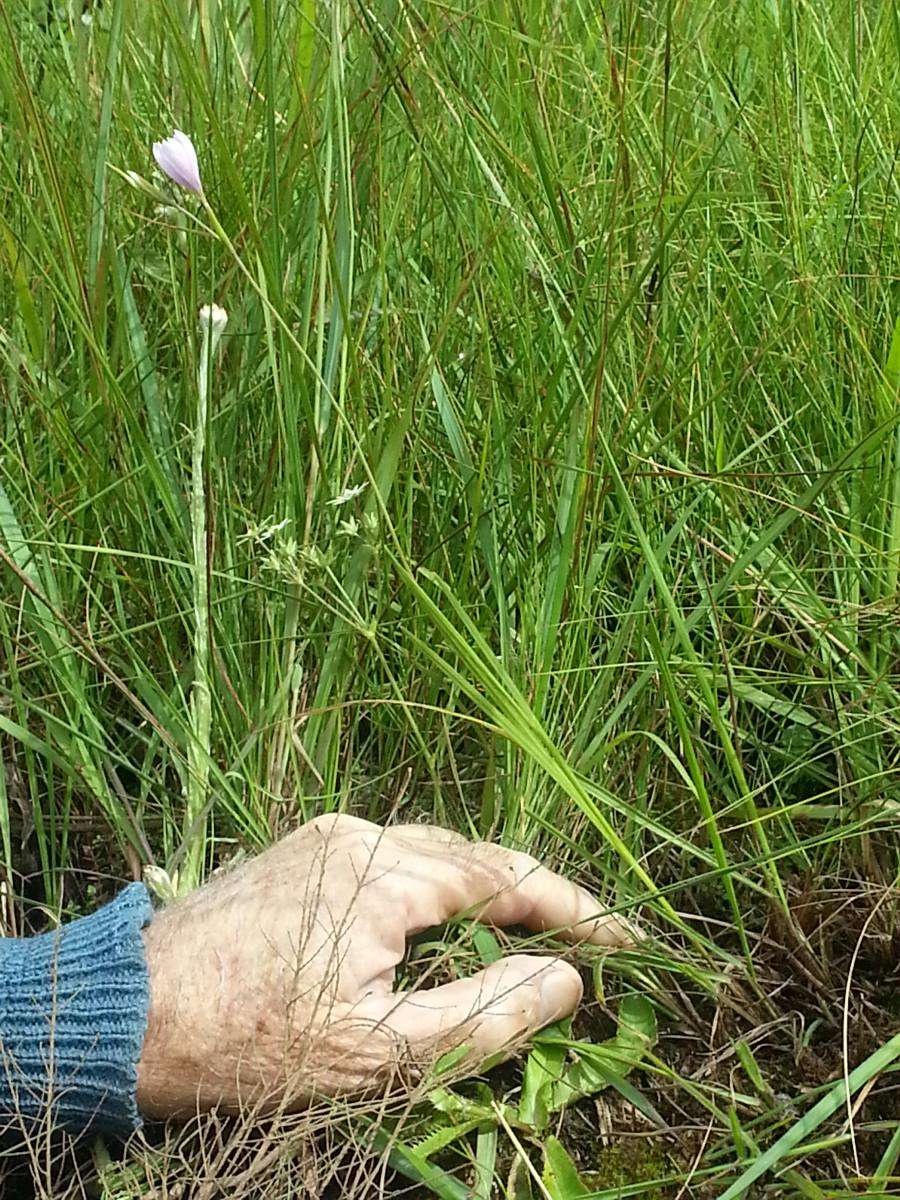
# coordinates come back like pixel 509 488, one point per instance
pixel 177 157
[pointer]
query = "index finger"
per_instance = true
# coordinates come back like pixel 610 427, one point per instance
pixel 505 887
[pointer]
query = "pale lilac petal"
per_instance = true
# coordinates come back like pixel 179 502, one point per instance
pixel 177 158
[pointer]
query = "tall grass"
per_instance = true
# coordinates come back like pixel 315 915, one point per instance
pixel 552 466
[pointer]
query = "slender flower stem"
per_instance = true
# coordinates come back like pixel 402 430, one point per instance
pixel 212 323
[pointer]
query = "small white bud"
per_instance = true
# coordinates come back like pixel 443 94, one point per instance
pixel 214 318
pixel 139 182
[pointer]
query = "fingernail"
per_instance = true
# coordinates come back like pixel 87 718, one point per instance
pixel 561 991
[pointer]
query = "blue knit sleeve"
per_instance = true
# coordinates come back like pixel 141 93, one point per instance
pixel 73 1013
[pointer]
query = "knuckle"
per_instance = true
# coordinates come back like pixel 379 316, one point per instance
pixel 363 844
pixel 325 823
pixel 514 865
pixel 525 864
pixel 338 825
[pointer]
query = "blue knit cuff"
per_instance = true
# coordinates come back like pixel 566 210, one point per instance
pixel 73 1014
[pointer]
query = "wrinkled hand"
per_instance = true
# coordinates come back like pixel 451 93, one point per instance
pixel 273 983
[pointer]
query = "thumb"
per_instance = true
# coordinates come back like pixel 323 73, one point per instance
pixel 491 1012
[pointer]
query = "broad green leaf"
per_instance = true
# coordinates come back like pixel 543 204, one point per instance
pixel 560 1176
pixel 559 1071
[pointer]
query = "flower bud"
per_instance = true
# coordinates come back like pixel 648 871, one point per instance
pixel 177 158
pixel 213 320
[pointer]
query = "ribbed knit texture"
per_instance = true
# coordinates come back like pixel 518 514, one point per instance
pixel 73 1013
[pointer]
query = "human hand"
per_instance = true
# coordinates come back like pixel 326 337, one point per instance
pixel 272 984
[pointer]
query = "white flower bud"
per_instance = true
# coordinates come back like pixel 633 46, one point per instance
pixel 140 184
pixel 213 320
